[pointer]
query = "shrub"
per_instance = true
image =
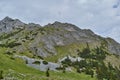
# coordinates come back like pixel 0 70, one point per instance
pixel 1 74
pixel 9 53
pixel 47 73
pixel 45 62
pixel 36 62
pixel 67 61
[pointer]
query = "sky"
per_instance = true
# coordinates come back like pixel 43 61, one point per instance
pixel 101 16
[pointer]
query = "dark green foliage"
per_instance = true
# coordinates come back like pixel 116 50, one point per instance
pixel 27 37
pixel 47 73
pixel 42 30
pixel 1 74
pixel 45 62
pixel 93 62
pixel 59 68
pixel 82 64
pixel 99 53
pixel 7 35
pixel 36 62
pixel 110 66
pixel 23 40
pixel 64 70
pixel 102 72
pixel 35 33
pixel 40 57
pixel 85 52
pixel 26 61
pixel 9 53
pixel 89 71
pixel 78 70
pixel 12 58
pixel 67 61
pixel 11 44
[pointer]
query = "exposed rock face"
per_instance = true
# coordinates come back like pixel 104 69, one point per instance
pixel 41 65
pixel 71 58
pixel 66 26
pixel 32 26
pixel 113 46
pixel 8 24
pixel 42 41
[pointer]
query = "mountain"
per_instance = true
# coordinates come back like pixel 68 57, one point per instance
pixel 7 24
pixel 53 42
pixel 43 41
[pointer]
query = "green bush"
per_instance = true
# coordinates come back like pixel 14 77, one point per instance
pixel 1 74
pixel 36 62
pixel 47 73
pixel 45 62
pixel 67 61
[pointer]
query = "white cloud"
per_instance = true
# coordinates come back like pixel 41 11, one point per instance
pixel 102 16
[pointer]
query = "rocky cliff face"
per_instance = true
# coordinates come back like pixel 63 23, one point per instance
pixel 42 41
pixel 8 24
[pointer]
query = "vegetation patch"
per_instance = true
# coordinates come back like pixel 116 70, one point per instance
pixel 45 62
pixel 93 64
pixel 36 62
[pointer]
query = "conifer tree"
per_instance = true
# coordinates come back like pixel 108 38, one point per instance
pixel 47 72
pixel 1 74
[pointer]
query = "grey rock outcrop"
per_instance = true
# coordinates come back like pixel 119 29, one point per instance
pixel 8 24
pixel 113 46
pixel 41 66
pixel 32 26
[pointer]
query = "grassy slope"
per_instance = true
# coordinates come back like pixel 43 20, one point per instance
pixel 113 59
pixel 17 67
pixel 70 49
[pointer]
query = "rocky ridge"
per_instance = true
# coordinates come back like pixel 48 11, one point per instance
pixel 43 40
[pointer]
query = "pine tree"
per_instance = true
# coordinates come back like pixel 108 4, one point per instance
pixel 1 74
pixel 47 72
pixel 64 69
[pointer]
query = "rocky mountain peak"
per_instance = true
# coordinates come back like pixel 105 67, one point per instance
pixel 66 26
pixel 88 32
pixel 10 20
pixel 7 19
pixel 7 24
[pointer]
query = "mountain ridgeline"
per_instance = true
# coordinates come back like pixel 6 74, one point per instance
pixel 43 40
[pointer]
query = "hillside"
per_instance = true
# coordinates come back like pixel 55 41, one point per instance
pixel 62 47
